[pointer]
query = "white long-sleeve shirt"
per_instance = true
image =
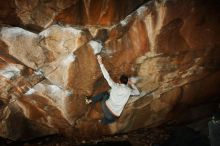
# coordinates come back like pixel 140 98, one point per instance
pixel 119 93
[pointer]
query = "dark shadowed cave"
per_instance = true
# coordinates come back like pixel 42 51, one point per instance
pixel 48 66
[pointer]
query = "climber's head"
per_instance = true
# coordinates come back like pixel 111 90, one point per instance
pixel 124 79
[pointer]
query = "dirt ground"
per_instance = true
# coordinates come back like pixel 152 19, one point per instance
pixel 160 136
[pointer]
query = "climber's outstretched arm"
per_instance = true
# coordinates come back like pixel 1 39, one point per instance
pixel 105 72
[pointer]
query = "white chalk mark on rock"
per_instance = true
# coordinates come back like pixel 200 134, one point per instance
pixel 68 59
pixel 11 71
pixel 96 46
pixel 30 91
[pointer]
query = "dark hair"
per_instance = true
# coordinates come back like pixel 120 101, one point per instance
pixel 124 79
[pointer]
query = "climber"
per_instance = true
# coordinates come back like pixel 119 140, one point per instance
pixel 113 102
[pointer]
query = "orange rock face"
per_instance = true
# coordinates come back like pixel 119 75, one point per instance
pixel 104 13
pixel 170 47
pixel 40 14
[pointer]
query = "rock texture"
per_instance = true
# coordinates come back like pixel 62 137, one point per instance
pixel 39 14
pixel 170 47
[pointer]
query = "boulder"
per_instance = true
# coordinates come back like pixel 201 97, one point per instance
pixel 40 14
pixel 169 48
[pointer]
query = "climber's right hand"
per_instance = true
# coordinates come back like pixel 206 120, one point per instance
pixel 99 58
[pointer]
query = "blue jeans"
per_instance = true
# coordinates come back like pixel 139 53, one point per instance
pixel 108 116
